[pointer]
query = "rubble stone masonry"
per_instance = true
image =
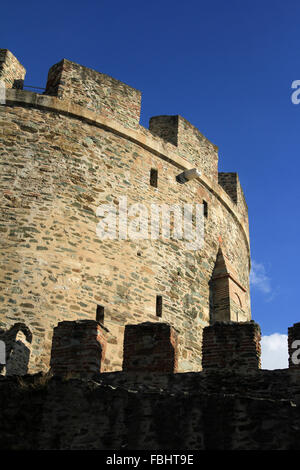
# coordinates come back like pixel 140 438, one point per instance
pixel 79 146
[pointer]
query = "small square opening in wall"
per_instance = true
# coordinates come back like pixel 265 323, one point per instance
pixel 100 314
pixel 159 305
pixel 205 208
pixel 153 177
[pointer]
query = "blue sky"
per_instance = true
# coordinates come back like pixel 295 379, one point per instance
pixel 227 67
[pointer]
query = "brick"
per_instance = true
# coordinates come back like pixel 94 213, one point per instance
pixel 156 348
pixel 231 345
pixel 78 347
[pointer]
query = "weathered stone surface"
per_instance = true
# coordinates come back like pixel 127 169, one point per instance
pixel 228 296
pixel 117 411
pixel 78 348
pixel 96 91
pixel 150 347
pixel 232 346
pixel 12 73
pixel 17 347
pixel 63 156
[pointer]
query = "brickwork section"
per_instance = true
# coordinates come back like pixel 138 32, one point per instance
pixel 228 296
pixel 231 346
pixel 192 145
pixel 294 346
pixel 78 348
pixel 56 170
pixel 95 91
pixel 150 347
pixel 12 73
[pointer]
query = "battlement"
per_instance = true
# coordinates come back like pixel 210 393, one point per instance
pixel 232 346
pixel 12 73
pixel 231 184
pixel 117 101
pixel 79 146
pixel 79 348
pixel 189 141
pixel 231 404
pixel 95 91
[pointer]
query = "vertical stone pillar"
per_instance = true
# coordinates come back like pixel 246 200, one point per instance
pixel 12 73
pixel 228 295
pixel 231 346
pixel 78 347
pixel 294 346
pixel 150 347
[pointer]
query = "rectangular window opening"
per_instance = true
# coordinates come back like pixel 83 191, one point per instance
pixel 205 208
pixel 100 314
pixel 159 305
pixel 153 177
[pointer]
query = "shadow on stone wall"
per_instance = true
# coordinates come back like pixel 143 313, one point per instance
pixel 17 341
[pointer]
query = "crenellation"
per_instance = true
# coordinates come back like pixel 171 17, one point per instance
pixel 150 347
pixel 177 364
pixel 95 91
pixel 231 184
pixel 232 346
pixel 190 143
pixel 78 348
pixel 12 73
pixel 62 158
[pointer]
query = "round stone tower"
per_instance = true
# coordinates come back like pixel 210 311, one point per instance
pixel 76 158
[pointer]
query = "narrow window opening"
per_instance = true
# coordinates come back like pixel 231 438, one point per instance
pixel 158 305
pixel 205 208
pixel 100 314
pixel 153 177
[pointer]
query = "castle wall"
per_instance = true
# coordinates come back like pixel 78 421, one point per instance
pixel 95 91
pixel 190 143
pixel 59 162
pixel 119 412
pixel 12 73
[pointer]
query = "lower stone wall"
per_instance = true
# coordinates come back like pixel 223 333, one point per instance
pixel 116 411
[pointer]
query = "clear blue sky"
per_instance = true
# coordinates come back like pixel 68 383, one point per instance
pixel 227 67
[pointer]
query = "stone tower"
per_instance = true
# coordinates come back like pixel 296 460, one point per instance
pixel 79 146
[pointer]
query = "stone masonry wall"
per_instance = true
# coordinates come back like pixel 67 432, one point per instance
pixel 12 73
pixel 191 411
pixel 190 143
pixel 58 165
pixel 230 182
pixel 95 91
